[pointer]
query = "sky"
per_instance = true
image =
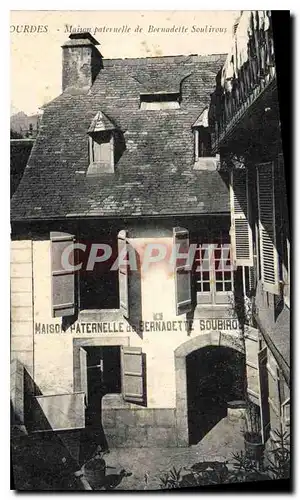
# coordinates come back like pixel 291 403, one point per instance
pixel 36 56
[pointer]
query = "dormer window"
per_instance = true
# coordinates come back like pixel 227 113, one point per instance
pixel 202 143
pixel 202 140
pixel 203 158
pixel 160 100
pixel 101 145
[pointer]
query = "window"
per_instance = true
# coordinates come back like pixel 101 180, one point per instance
pixel 101 151
pixel 213 271
pixel 161 100
pixel 101 370
pixel 101 145
pixel 267 227
pixel 202 143
pixel 202 138
pixel 98 284
pixel 95 285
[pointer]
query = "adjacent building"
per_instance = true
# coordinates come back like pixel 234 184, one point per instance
pixel 244 121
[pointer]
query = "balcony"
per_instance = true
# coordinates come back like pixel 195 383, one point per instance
pixel 249 70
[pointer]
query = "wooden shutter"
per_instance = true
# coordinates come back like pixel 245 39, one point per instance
pixel 267 232
pixel 240 232
pixel 183 294
pixel 83 373
pixel 264 393
pixel 285 414
pixel 132 374
pixel 63 280
pixel 123 273
pixel 251 351
pixel 274 393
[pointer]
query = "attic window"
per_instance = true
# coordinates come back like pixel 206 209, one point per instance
pixel 101 145
pixel 101 151
pixel 160 100
pixel 202 143
pixel 202 139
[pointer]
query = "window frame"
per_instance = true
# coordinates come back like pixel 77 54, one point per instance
pixel 91 147
pixel 213 296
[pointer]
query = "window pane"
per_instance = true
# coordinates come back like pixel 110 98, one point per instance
pixel 206 287
pixel 217 254
pixel 228 286
pixel 205 276
pixel 227 275
pixel 219 276
pixel 217 265
pixel 219 287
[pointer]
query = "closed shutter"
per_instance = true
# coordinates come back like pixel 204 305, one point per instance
pixel 267 233
pixel 83 373
pixel 183 294
pixel 133 375
pixel 240 232
pixel 264 393
pixel 123 273
pixel 62 276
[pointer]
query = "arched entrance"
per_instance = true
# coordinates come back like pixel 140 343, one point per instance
pixel 209 372
pixel 214 376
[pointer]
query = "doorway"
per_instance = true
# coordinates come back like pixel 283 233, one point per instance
pixel 215 375
pixel 100 371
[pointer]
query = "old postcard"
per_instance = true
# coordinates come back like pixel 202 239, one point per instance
pixel 150 251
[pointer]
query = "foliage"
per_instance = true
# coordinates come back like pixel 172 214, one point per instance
pixel 279 458
pixel 241 469
pixel 171 479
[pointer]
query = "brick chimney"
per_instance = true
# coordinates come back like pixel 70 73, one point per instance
pixel 82 61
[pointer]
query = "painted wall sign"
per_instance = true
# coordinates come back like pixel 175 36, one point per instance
pixel 143 326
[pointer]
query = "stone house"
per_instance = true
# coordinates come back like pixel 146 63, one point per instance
pixel 123 161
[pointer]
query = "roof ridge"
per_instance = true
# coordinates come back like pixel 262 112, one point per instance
pixel 170 56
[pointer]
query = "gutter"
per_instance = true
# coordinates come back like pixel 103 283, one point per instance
pixel 117 216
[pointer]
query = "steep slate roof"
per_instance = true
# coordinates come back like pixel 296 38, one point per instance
pixel 154 175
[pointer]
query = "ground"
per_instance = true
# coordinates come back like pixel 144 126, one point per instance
pixel 219 444
pixel 40 463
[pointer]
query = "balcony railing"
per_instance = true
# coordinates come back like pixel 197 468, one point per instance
pixel 249 68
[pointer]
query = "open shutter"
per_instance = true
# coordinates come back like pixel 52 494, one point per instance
pixel 133 374
pixel 251 350
pixel 123 273
pixel 241 232
pixel 264 393
pixel 183 294
pixel 63 279
pixel 83 373
pixel 267 230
